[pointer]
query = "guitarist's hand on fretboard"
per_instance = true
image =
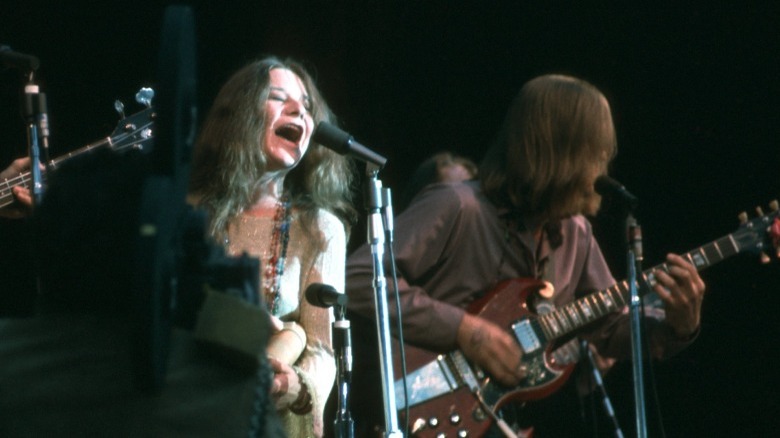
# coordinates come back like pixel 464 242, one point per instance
pixel 21 194
pixel 492 348
pixel 682 291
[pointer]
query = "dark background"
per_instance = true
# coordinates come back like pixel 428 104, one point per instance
pixel 693 91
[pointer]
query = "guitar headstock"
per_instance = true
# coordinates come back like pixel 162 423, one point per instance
pixel 761 234
pixel 134 131
pixel 131 132
pixel 144 96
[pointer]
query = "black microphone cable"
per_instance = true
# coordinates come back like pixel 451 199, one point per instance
pixel 388 219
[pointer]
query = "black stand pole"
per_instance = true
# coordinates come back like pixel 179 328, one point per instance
pixel 34 109
pixel 342 344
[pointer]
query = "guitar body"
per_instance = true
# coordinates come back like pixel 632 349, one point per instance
pixel 456 410
pixel 518 300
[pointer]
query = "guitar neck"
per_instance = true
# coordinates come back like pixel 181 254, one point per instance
pixel 592 307
pixel 24 179
pixel 6 186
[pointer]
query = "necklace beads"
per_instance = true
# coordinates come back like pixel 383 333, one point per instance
pixel 273 268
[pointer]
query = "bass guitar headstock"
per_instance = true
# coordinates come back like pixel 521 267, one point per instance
pixel 134 131
pixel 761 235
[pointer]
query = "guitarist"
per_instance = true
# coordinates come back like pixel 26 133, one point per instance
pixel 525 217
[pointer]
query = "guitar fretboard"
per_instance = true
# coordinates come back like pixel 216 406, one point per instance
pixel 587 309
pixel 24 179
pixel 6 186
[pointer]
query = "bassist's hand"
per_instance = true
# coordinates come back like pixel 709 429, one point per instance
pixel 21 194
pixel 492 348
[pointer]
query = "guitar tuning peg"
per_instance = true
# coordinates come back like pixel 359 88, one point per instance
pixel 759 211
pixel 773 205
pixel 765 259
pixel 120 108
pixel 144 96
pixel 743 218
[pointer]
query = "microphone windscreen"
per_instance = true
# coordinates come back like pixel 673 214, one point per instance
pixel 314 294
pixel 18 60
pixel 605 184
pixel 331 137
pixel 324 295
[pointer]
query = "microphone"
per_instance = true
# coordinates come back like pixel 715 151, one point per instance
pixel 334 138
pixel 11 59
pixel 323 295
pixel 606 185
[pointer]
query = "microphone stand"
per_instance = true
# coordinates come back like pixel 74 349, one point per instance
pixel 37 136
pixel 634 262
pixel 376 241
pixel 34 108
pixel 599 382
pixel 342 344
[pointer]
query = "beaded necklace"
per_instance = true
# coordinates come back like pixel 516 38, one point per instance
pixel 274 266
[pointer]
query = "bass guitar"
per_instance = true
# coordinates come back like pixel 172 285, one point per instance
pixel 449 396
pixel 131 132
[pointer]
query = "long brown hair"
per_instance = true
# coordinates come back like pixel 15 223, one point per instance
pixel 556 139
pixel 228 161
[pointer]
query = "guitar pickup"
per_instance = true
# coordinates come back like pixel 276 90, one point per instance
pixel 526 336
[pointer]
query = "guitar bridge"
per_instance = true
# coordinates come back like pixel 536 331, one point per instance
pixel 463 371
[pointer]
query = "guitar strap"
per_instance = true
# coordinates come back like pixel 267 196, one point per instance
pixel 545 266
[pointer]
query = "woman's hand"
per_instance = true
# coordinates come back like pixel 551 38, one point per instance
pixel 286 385
pixel 276 325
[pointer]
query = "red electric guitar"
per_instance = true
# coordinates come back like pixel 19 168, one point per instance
pixel 449 396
